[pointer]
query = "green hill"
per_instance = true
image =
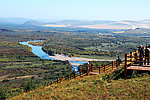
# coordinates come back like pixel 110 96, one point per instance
pixel 92 87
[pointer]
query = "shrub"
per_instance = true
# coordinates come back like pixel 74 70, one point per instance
pixel 5 80
pixel 3 93
pixel 30 85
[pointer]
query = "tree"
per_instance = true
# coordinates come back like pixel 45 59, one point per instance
pixel 51 53
pixel 30 85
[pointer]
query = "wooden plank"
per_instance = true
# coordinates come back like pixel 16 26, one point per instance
pixel 145 65
pixel 139 68
pixel 93 73
pixel 136 64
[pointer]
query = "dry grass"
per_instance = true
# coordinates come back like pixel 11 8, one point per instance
pixel 92 87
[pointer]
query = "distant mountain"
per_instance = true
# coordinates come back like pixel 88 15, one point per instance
pixel 146 20
pixel 101 24
pixel 33 22
pixel 83 22
pixel 96 24
pixel 138 31
pixel 130 21
pixel 77 23
pixel 13 20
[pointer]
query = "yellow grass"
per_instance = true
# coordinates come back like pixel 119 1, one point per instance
pixel 92 87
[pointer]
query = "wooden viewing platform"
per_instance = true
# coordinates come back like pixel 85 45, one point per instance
pixel 93 73
pixel 132 62
pixel 144 68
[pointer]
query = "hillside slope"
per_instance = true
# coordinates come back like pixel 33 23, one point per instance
pixel 101 24
pixel 92 87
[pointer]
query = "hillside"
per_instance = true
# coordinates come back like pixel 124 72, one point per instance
pixel 92 87
pixel 94 24
pixel 101 24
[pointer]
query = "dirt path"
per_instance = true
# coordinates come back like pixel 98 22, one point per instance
pixel 7 77
pixel 3 77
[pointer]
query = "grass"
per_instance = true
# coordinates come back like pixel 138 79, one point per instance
pixel 13 74
pixel 30 64
pixel 92 87
pixel 118 47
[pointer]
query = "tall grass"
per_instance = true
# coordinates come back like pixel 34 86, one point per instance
pixel 93 87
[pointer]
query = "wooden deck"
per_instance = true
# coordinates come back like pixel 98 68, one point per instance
pixel 144 67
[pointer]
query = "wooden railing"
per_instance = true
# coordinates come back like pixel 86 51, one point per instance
pixel 130 59
pixel 134 58
pixel 106 68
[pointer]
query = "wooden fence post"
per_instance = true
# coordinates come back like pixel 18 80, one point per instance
pixel 91 67
pixel 125 67
pixel 52 83
pixel 63 78
pixel 87 70
pixel 104 68
pixel 112 65
pixel 131 57
pixel 135 56
pixel 99 69
pixel 80 72
pixel 75 72
pixel 116 63
pixel 58 81
pixel 48 84
pixel 68 76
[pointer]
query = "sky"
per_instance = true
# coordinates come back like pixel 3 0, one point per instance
pixel 76 9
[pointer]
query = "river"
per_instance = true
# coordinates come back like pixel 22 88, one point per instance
pixel 37 50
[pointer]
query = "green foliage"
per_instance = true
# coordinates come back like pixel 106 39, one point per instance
pixel 57 70
pixel 30 85
pixel 13 51
pixel 37 43
pixel 5 80
pixel 3 93
pixel 107 78
pixel 98 63
pixel 18 60
pixel 118 74
pixel 134 75
pixel 43 71
pixel 15 91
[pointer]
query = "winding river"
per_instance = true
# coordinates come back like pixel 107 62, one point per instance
pixel 37 50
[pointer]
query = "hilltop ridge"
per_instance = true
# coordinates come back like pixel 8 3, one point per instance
pixel 95 24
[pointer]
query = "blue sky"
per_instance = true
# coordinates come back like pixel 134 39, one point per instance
pixel 76 9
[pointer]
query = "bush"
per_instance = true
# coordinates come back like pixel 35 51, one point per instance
pixel 107 78
pixel 3 93
pixel 5 80
pixel 30 85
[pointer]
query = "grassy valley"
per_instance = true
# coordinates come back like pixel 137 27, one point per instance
pixel 22 71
